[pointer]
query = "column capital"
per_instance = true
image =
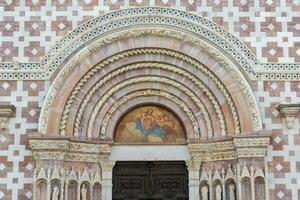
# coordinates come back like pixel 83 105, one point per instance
pixel 193 164
pixel 107 165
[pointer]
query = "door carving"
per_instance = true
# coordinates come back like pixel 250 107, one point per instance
pixel 150 181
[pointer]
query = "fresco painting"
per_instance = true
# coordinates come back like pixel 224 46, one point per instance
pixel 149 124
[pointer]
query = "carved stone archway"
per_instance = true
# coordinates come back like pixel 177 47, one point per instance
pixel 118 63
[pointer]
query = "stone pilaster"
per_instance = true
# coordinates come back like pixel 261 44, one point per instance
pixel 194 183
pixel 107 169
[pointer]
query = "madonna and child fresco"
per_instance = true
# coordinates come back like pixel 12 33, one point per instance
pixel 149 124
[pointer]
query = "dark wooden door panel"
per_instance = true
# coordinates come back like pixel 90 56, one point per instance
pixel 150 181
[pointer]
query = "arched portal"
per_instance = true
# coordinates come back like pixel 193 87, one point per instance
pixel 104 75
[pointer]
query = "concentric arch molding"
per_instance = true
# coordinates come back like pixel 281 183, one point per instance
pixel 232 69
pixel 147 16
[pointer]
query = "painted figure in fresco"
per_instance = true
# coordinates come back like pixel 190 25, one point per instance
pixel 218 192
pixel 83 192
pixel 204 192
pixel 147 124
pixel 231 192
pixel 55 193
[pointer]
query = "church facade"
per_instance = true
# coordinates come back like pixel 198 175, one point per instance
pixel 147 99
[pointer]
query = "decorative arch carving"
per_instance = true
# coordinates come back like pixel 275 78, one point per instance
pixel 99 69
pixel 250 100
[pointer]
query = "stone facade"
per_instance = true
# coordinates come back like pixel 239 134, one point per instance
pixel 231 104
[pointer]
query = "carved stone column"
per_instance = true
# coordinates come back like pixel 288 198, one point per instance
pixel 252 183
pixel 92 191
pixel 223 184
pixel 34 184
pixel 194 183
pixel 78 190
pixel 266 180
pixel 239 183
pixel 62 184
pixel 49 184
pixel 107 169
pixel 66 189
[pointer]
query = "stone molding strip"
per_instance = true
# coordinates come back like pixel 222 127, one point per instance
pixel 147 65
pixel 146 16
pixel 247 146
pixel 227 148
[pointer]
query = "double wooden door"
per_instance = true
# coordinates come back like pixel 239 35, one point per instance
pixel 150 181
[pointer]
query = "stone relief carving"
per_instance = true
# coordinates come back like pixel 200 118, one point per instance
pixel 149 65
pixel 230 179
pixel 236 75
pixel 231 192
pixel 83 192
pixel 55 193
pixel 135 66
pixel 204 193
pixel 218 192
pixel 64 177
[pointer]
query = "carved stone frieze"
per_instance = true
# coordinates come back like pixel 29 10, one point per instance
pixel 230 148
pixel 68 150
pixel 231 179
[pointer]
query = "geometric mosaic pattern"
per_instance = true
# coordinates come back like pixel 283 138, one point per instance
pixel 270 28
pixel 284 152
pixel 28 29
pixel 15 159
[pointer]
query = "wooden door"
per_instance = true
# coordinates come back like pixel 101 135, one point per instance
pixel 150 181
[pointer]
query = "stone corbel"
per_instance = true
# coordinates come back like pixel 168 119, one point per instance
pixel 6 112
pixel 289 112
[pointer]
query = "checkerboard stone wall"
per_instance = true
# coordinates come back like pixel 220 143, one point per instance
pixel 28 29
pixel 270 28
pixel 15 159
pixel 16 165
